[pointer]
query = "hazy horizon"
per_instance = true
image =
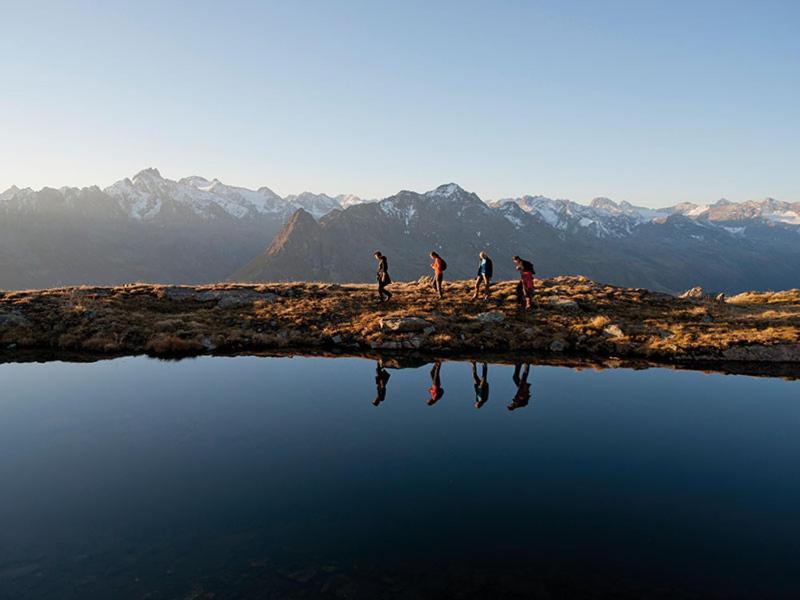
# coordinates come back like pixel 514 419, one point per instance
pixel 650 104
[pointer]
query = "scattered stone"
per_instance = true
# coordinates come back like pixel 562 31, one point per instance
pixel 774 353
pixel 13 319
pixel 720 297
pixel 558 346
pixel 706 318
pixel 564 303
pixel 386 345
pixel 208 344
pixel 415 343
pixel 336 339
pixel 225 299
pixel 429 330
pixel 614 330
pixel 401 324
pixel 491 317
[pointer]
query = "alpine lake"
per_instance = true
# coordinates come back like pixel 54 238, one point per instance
pixel 311 477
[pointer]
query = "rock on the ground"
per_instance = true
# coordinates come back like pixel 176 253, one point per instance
pixel 402 324
pixel 774 353
pixel 225 299
pixel 565 303
pixel 614 330
pixel 491 317
pixel 558 345
pixel 13 319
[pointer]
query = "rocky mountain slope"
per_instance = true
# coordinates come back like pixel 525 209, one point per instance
pixel 724 247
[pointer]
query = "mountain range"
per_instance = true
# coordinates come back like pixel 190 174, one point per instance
pixel 149 228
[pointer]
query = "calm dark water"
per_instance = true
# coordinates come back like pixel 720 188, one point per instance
pixel 277 477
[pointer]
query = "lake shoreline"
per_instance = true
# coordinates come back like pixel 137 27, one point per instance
pixel 574 317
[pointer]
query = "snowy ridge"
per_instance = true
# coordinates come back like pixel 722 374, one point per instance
pixel 606 218
pixel 148 196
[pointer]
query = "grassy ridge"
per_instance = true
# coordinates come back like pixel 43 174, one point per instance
pixel 573 315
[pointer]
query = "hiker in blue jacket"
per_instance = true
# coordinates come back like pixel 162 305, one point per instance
pixel 484 277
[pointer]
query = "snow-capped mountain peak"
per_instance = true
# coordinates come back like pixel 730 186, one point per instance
pixel 447 190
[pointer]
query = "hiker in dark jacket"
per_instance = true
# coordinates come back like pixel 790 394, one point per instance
pixel 438 266
pixel 525 285
pixel 384 295
pixel 484 277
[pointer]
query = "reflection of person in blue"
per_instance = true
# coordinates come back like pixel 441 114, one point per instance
pixel 523 395
pixel 481 385
pixel 381 379
pixel 436 390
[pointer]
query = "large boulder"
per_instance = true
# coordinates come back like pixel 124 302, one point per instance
pixel 491 317
pixel 403 324
pixel 13 318
pixel 564 303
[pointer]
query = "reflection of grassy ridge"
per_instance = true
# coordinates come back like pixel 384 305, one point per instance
pixel 573 315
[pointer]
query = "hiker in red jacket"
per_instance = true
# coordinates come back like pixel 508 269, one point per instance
pixel 525 285
pixel 439 265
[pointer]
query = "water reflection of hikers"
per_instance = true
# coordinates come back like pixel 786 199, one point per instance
pixel 525 285
pixel 523 395
pixel 439 266
pixel 381 379
pixel 436 390
pixel 481 384
pixel 484 277
pixel 384 295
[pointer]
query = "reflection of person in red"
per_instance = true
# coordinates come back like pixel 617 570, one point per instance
pixel 436 390
pixel 523 395
pixel 381 379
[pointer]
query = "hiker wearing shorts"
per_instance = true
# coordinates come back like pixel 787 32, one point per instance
pixel 525 285
pixel 438 266
pixel 384 295
pixel 484 277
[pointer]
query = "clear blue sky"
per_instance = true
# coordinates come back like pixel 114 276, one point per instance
pixel 645 101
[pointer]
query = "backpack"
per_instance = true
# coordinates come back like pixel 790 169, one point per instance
pixel 444 264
